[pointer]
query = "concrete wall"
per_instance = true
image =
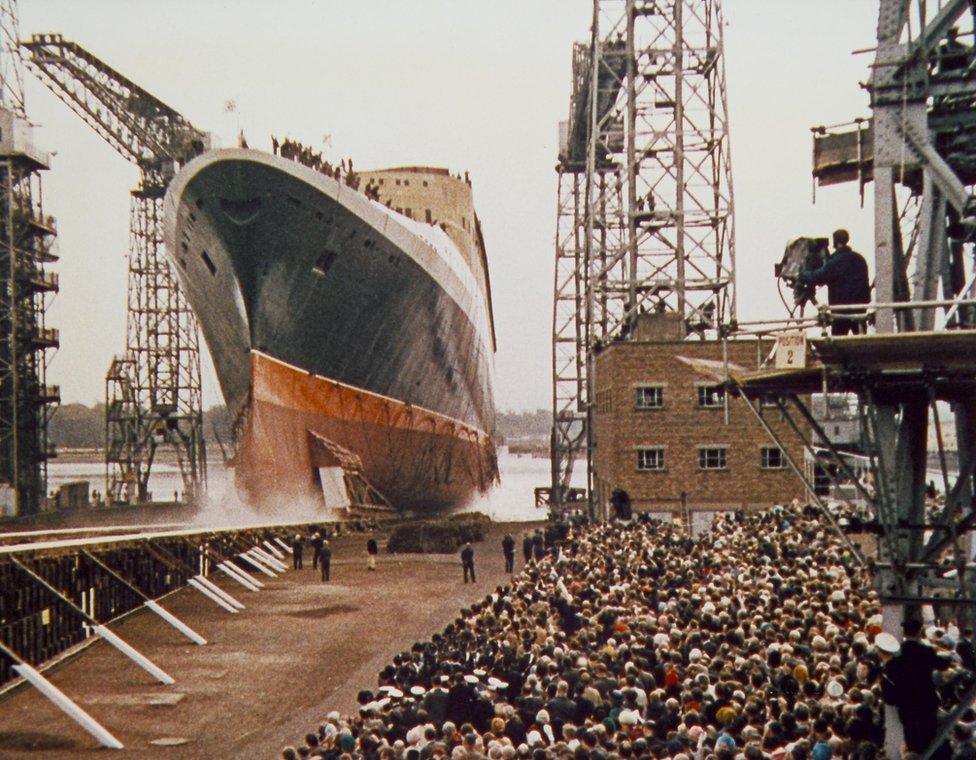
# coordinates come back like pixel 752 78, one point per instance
pixel 681 427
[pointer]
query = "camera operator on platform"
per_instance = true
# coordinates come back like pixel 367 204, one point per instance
pixel 845 274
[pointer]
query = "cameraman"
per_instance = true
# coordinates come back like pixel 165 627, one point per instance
pixel 845 274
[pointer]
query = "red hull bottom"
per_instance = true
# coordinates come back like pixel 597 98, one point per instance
pixel 417 459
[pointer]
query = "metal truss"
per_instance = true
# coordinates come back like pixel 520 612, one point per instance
pixel 153 392
pixel 921 156
pixel 62 595
pixel 645 212
pixel 911 75
pixel 154 389
pixel 27 245
pixel 659 67
pixel 139 126
pixel 569 338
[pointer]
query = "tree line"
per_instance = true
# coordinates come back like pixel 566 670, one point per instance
pixel 78 426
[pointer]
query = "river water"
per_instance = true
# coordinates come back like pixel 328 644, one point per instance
pixel 511 500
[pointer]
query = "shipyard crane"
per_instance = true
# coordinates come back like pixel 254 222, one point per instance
pixel 153 394
pixel 27 245
pixel 645 218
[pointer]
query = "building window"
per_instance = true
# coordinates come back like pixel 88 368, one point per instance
pixel 425 183
pixel 711 396
pixel 650 460
pixel 649 397
pixel 381 180
pixel 712 458
pixel 772 458
pixel 428 216
pixel 398 182
pixel 408 212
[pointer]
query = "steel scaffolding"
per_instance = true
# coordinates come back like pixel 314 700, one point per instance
pixel 645 213
pixel 919 149
pixel 27 244
pixel 153 394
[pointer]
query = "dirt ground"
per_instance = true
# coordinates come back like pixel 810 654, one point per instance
pixel 268 674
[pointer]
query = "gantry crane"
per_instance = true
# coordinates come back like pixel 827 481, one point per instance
pixel 645 217
pixel 27 244
pixel 153 395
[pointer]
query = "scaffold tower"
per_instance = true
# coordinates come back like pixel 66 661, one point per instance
pixel 153 394
pixel 27 245
pixel 645 215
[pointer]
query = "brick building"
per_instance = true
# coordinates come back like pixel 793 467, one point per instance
pixel 672 439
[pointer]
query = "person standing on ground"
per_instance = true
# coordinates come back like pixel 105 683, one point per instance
pixel 467 562
pixel 527 547
pixel 966 650
pixel 317 539
pixel 538 546
pixel 372 549
pixel 296 552
pixel 325 557
pixel 508 548
pixel 907 684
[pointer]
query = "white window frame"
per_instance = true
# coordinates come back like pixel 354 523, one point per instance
pixel 701 397
pixel 702 456
pixel 660 455
pixel 764 459
pixel 638 390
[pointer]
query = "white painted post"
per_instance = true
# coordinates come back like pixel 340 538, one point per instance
pixel 251 560
pixel 211 595
pixel 240 571
pixel 66 705
pixel 174 621
pixel 239 579
pixel 269 560
pixel 275 551
pixel 261 560
pixel 284 546
pixel 214 588
pixel 891 618
pixel 137 657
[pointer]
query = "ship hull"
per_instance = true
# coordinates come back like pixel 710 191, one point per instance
pixel 333 326
pixel 415 458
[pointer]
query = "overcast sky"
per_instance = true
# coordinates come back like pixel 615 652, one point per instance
pixel 476 86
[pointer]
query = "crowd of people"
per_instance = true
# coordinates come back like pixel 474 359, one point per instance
pixel 343 172
pixel 759 640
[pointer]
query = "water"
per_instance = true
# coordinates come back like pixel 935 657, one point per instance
pixel 512 500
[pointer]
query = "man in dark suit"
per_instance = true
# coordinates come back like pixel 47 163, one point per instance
pixel 508 549
pixel 966 650
pixel 845 274
pixel 467 561
pixel 460 701
pixel 296 552
pixel 435 703
pixel 907 684
pixel 316 542
pixel 325 557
